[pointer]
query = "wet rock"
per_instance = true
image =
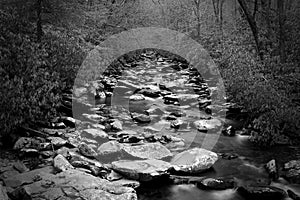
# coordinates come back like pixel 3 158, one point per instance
pixel 74 184
pixel 130 139
pixel 149 92
pixel 261 193
pixel 127 183
pixel 61 163
pixel 228 156
pixel 113 176
pixel 109 148
pixel 194 160
pixel 137 97
pixel 293 195
pixel 3 193
pixel 142 170
pixel 27 177
pixel 141 118
pixel 185 179
pixel 86 150
pixel 57 141
pixel 148 151
pixel 206 125
pixel 26 143
pixel 69 121
pixel 19 165
pixel 98 135
pixel 216 184
pixel 59 125
pixel 65 152
pixel 272 169
pixel 291 171
pixel 229 131
pixel 116 125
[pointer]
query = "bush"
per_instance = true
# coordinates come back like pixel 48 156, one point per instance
pixel 33 75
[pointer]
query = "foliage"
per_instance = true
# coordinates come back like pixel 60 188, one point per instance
pixel 33 74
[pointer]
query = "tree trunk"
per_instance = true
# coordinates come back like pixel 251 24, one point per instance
pixel 281 19
pixel 252 23
pixel 39 28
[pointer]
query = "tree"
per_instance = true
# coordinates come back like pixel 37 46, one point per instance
pixel 252 23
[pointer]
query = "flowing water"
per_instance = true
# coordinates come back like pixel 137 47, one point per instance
pixel 168 77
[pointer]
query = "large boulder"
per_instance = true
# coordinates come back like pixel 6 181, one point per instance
pixel 97 134
pixel 261 193
pixel 148 151
pixel 61 163
pixel 292 171
pixel 206 125
pixel 74 184
pixel 142 170
pixel 194 160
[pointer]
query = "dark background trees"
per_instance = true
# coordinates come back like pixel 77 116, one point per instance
pixel 255 43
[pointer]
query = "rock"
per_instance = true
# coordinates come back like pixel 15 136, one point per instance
pixel 19 165
pixel 229 131
pixel 261 193
pixel 216 184
pixel 149 92
pixel 185 179
pixel 228 156
pixel 130 139
pixel 148 151
pixel 61 163
pixel 65 152
pixel 26 143
pixel 291 171
pixel 27 177
pixel 293 195
pixel 113 176
pixel 86 150
pixel 69 121
pixel 206 125
pixel 46 154
pixel 57 141
pixel 127 183
pixel 59 125
pixel 116 125
pixel 137 97
pixel 272 169
pixel 98 135
pixel 109 148
pixel 142 170
pixel 194 160
pixel 141 118
pixel 3 193
pixel 74 184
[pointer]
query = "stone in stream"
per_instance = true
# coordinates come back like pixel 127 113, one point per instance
pixel 206 125
pixel 293 195
pixel 27 143
pixel 57 141
pixel 141 118
pixel 86 150
pixel 137 97
pixel 116 125
pixel 272 169
pixel 291 171
pixel 142 170
pixel 149 92
pixel 99 135
pixel 216 183
pixel 148 151
pixel 74 184
pixel 194 160
pixel 61 163
pixel 27 177
pixel 261 193
pixel 229 131
pixel 3 193
pixel 109 148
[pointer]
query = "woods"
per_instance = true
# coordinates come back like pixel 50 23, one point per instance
pixel 255 44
